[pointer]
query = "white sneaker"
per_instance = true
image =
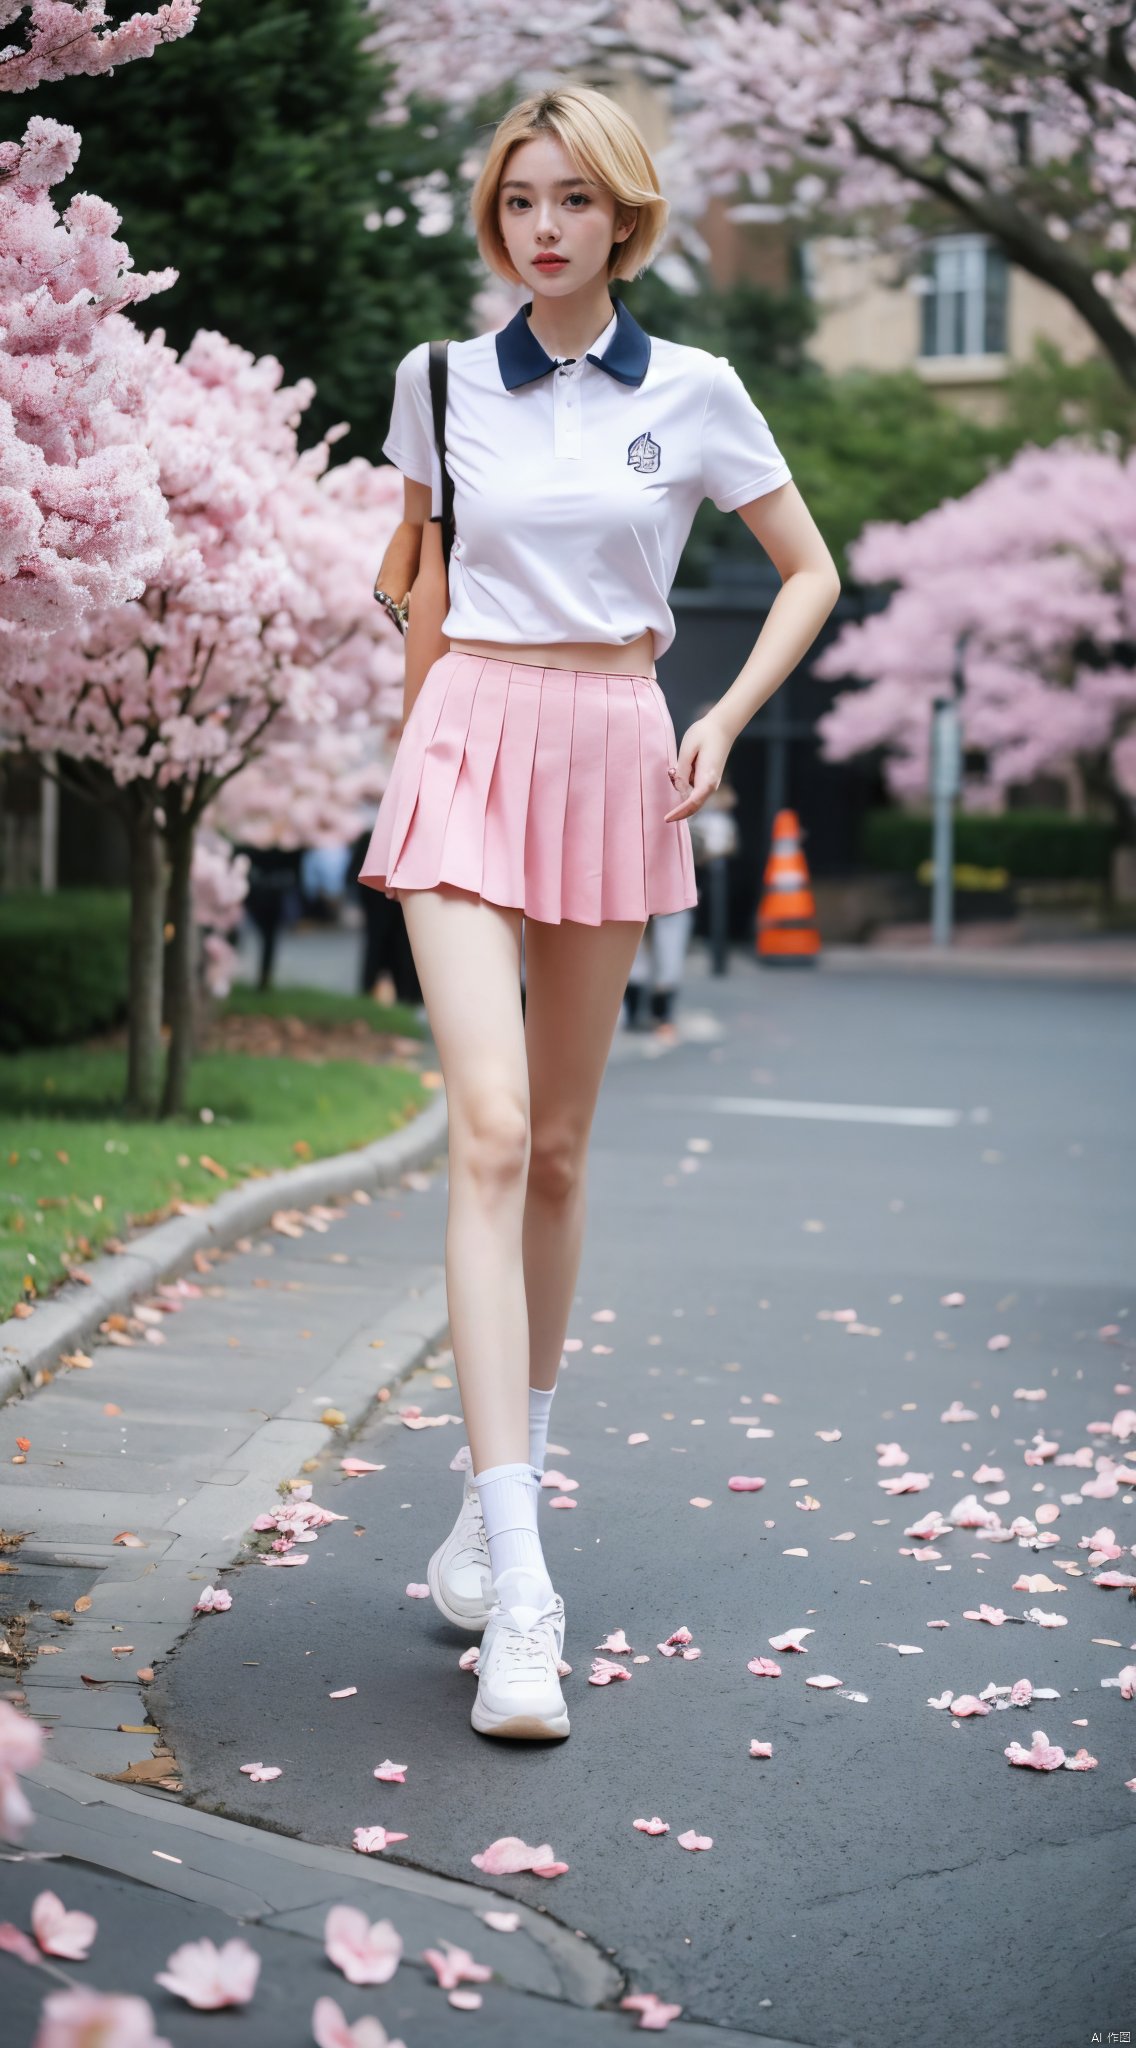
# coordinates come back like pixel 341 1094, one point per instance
pixel 457 1572
pixel 518 1680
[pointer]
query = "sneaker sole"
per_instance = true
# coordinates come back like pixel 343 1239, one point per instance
pixel 472 1624
pixel 520 1727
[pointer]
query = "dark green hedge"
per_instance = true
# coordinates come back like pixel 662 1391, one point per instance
pixel 63 965
pixel 1033 845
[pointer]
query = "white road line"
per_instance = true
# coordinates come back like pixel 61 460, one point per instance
pixel 825 1112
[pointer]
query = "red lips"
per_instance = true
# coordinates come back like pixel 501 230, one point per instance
pixel 550 262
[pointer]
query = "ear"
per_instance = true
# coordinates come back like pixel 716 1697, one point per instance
pixel 629 215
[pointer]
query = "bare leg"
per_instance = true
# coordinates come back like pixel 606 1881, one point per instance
pixel 575 975
pixel 467 953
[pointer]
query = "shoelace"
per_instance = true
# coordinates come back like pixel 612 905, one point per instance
pixel 477 1548
pixel 528 1645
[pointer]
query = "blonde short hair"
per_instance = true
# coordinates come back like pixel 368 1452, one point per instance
pixel 605 143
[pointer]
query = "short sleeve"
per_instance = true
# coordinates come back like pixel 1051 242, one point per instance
pixel 740 458
pixel 410 441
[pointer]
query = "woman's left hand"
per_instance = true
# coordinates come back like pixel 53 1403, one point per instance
pixel 699 767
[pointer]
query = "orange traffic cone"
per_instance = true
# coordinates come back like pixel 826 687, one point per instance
pixel 786 916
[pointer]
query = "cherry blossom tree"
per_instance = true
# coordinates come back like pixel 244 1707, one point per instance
pixel 82 518
pixel 1038 567
pixel 59 39
pixel 259 620
pixel 1015 117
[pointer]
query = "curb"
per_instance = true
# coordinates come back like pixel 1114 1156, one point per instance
pixel 1022 963
pixel 29 1344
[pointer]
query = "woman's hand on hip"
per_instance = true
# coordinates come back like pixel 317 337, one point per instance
pixel 699 768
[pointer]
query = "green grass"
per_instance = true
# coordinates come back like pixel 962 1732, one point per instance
pixel 250 1116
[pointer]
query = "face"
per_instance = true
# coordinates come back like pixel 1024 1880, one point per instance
pixel 548 207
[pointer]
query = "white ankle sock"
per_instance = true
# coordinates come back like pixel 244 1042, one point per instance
pixel 540 1404
pixel 508 1495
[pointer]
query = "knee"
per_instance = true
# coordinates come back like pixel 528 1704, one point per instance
pixel 491 1144
pixel 556 1165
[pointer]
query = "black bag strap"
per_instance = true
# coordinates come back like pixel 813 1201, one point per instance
pixel 439 371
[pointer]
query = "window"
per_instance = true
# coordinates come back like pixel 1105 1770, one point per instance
pixel 964 297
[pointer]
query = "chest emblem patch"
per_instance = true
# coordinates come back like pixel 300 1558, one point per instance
pixel 644 454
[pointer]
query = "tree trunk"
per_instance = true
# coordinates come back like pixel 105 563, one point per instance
pixel 147 912
pixel 182 979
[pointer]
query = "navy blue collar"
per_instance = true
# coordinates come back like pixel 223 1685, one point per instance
pixel 522 359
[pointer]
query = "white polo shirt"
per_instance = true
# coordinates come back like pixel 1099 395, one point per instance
pixel 576 486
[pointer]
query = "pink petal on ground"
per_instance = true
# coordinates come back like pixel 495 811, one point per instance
pixel 355 1467
pixel 760 1748
pixel 997 1343
pixel 891 1455
pixel 603 1671
pixel 372 1841
pixel 691 1840
pixel 60 1933
pixel 828 1436
pixel 213 1600
pixel 261 1773
pixel 560 1481
pixel 455 1966
pixel 411 1410
pixel 549 1869
pixel 690 1654
pixel 466 2001
pixel 391 1774
pixel 468 1661
pixel 905 1649
pixel 14 1942
pixel 1042 1755
pixel 698 1500
pixel 640 1437
pixel 1081 1762
pixel 654 1826
pixel 301 1559
pixel 509 1854
pixel 967 1704
pixel 95 2019
pixel 617 1642
pixel 367 1952
pixel 791 1640
pixel 740 1484
pixel 208 1977
pixel 1127 1679
pixel 679 1635
pixel 330 2029
pixel 764 1667
pixel 951 1300
pixel 417 1592
pixel 957 1412
pixel 603 1315
pixel 346 1692
pixel 502 1923
pixel 994 1615
pixel 1021 1694
pixel 1114 1579
pixel 823 1680
pixel 563 1500
pixel 655 2013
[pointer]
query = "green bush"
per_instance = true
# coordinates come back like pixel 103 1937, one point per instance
pixel 64 965
pixel 1033 845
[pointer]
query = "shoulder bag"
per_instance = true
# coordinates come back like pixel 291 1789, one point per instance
pixel 412 584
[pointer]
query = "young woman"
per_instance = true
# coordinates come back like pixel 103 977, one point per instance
pixel 538 783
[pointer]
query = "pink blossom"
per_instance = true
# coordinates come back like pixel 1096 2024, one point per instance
pixel 63 39
pixel 59 1932
pixel 455 1966
pixel 655 2013
pixel 367 1952
pixel 1042 1755
pixel 372 1841
pixel 96 2019
pixel 261 1774
pixel 330 2029
pixel 21 1746
pixel 213 1600
pixel 209 1977
pixel 604 1671
pixel 509 1854
pixel 393 1774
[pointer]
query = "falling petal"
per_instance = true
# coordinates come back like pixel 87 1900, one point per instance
pixel 208 1977
pixel 367 1952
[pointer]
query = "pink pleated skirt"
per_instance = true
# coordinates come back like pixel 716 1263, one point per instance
pixel 545 789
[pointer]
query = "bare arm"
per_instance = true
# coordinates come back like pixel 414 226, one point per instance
pixel 423 645
pixel 810 586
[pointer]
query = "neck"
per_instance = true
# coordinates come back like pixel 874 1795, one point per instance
pixel 570 326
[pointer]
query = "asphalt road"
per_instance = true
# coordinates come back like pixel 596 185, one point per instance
pixel 886 1875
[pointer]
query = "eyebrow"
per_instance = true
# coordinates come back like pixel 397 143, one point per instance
pixel 559 186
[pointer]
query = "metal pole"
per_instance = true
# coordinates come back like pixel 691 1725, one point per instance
pixel 946 778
